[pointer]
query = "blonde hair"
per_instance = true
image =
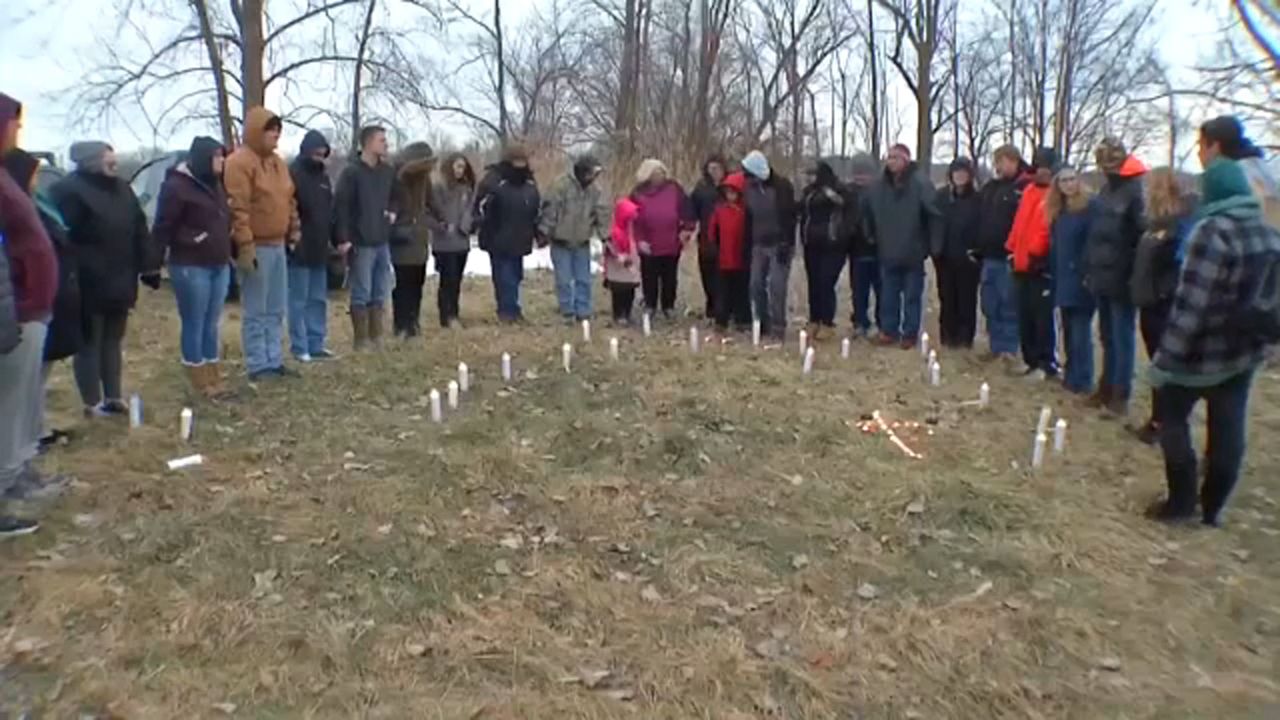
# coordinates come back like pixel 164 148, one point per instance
pixel 648 168
pixel 1166 197
pixel 1059 202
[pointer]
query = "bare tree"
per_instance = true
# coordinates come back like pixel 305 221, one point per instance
pixel 923 25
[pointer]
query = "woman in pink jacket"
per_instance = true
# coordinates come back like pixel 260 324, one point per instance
pixel 664 224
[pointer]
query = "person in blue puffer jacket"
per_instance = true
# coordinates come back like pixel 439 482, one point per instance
pixel 1071 210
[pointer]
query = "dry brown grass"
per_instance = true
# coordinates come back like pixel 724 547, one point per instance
pixel 698 527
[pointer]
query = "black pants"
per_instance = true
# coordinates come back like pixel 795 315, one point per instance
pixel 406 298
pixel 958 281
pixel 449 265
pixel 99 364
pixel 1035 321
pixel 735 299
pixel 822 266
pixel 1151 323
pixel 624 298
pixel 658 276
pixel 1228 423
pixel 709 269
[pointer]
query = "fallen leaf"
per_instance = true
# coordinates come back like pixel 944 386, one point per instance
pixel 1157 561
pixel 916 507
pixel 225 708
pixel 385 529
pixel 622 694
pixel 797 480
pixel 623 577
pixel 886 663
pixel 1012 604
pixel 822 660
pixel 867 591
pixel 800 562
pixel 277 539
pixel 650 594
pixel 1241 555
pixel 264 582
pixel 416 649
pixel 1110 664
pixel 770 649
pixel 591 679
pixel 512 542
pixel 501 567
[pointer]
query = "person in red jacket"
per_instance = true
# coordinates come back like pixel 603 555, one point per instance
pixel 1028 248
pixel 32 282
pixel 727 233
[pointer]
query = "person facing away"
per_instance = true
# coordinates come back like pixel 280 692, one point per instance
pixel 1156 264
pixel 193 223
pixel 727 231
pixel 308 260
pixel 958 272
pixel 823 235
pixel 364 217
pixel 574 211
pixel 661 228
pixel 864 266
pixel 622 261
pixel 506 212
pixel 416 216
pixel 1070 210
pixel 903 221
pixel 704 198
pixel 1227 133
pixel 1029 248
pixel 1220 329
pixel 1000 198
pixel 28 281
pixel 770 201
pixel 109 230
pixel 451 233
pixel 1113 240
pixel 264 217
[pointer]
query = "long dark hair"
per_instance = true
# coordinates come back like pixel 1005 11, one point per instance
pixel 1228 133
pixel 468 175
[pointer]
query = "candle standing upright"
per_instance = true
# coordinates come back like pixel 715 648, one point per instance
pixel 506 367
pixel 755 333
pixel 809 355
pixel 586 331
pixel 464 377
pixel 566 357
pixel 613 348
pixel 437 414
pixel 453 394
pixel 845 346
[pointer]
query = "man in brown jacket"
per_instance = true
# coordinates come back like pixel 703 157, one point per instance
pixel 264 217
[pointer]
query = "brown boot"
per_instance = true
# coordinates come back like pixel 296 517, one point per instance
pixel 360 328
pixel 196 377
pixel 376 316
pixel 215 385
pixel 1118 405
pixel 1101 398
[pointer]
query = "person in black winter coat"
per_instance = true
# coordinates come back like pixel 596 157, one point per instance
pixel 999 200
pixel 864 264
pixel 822 232
pixel 309 259
pixel 506 212
pixel 958 271
pixel 704 197
pixel 110 233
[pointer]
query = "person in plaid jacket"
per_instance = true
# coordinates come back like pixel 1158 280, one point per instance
pixel 1206 353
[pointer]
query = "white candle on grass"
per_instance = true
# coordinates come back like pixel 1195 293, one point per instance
pixel 453 394
pixel 694 342
pixel 506 367
pixel 1046 415
pixel 613 348
pixel 924 344
pixel 185 462
pixel 755 333
pixel 844 348
pixel 186 424
pixel 809 355
pixel 135 411
pixel 804 342
pixel 935 374
pixel 437 415
pixel 647 323
pixel 1037 453
pixel 1060 436
pixel 586 331
pixel 464 377
pixel 984 396
pixel 566 357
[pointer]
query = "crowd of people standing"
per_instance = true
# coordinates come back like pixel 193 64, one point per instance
pixel 1033 248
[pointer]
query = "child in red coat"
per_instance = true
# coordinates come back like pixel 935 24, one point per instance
pixel 727 232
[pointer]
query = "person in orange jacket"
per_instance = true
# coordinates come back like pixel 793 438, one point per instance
pixel 1028 248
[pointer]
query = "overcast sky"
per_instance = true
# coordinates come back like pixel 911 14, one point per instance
pixel 44 45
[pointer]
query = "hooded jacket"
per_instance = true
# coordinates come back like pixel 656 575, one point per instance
pixel 728 226
pixel 506 209
pixel 704 198
pixel 259 188
pixel 29 285
pixel 1029 238
pixel 109 230
pixel 453 199
pixel 313 192
pixel 573 213
pixel 1000 199
pixel 665 211
pixel 961 208
pixel 621 256
pixel 1114 235
pixel 1068 238
pixel 193 221
pixel 902 219
pixel 822 210
pixel 416 214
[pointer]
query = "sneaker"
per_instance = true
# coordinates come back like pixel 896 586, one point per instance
pixel 114 407
pixel 303 358
pixel 324 354
pixel 260 375
pixel 54 438
pixel 31 487
pixel 1035 375
pixel 14 527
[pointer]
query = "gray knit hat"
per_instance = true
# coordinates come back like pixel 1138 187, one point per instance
pixel 89 156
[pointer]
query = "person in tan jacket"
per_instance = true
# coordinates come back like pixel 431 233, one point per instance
pixel 264 218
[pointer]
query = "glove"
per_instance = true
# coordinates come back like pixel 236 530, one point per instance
pixel 151 280
pixel 247 258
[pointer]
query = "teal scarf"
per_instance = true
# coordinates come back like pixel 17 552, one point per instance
pixel 1226 191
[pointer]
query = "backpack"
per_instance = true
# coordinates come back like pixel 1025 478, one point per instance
pixel 1260 310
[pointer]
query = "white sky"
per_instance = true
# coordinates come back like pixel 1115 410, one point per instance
pixel 41 52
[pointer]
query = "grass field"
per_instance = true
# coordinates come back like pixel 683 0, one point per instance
pixel 668 536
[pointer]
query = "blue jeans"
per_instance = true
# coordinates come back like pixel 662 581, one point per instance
pixel 263 294
pixel 573 279
pixel 1077 326
pixel 864 280
pixel 902 292
pixel 1228 428
pixel 308 308
pixel 370 276
pixel 999 306
pixel 1117 320
pixel 200 292
pixel 508 273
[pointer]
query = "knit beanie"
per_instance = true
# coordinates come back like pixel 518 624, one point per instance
pixel 89 156
pixel 756 164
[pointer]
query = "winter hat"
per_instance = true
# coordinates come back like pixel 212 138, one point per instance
pixel 200 159
pixel 89 156
pixel 647 168
pixel 863 164
pixel 515 151
pixel 1045 157
pixel 312 141
pixel 756 164
pixel 1110 155
pixel 1228 132
pixel 735 181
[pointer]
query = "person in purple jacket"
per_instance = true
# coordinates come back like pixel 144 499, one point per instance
pixel 193 222
pixel 662 228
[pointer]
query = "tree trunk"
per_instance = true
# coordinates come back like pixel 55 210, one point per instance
pixel 924 106
pixel 504 122
pixel 225 123
pixel 251 37
pixel 875 130
pixel 357 81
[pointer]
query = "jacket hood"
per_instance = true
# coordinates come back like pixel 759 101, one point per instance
pixel 625 211
pixel 515 151
pixel 200 159
pixel 22 167
pixel 312 141
pixel 415 159
pixel 256 123
pixel 1132 167
pixel 735 181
